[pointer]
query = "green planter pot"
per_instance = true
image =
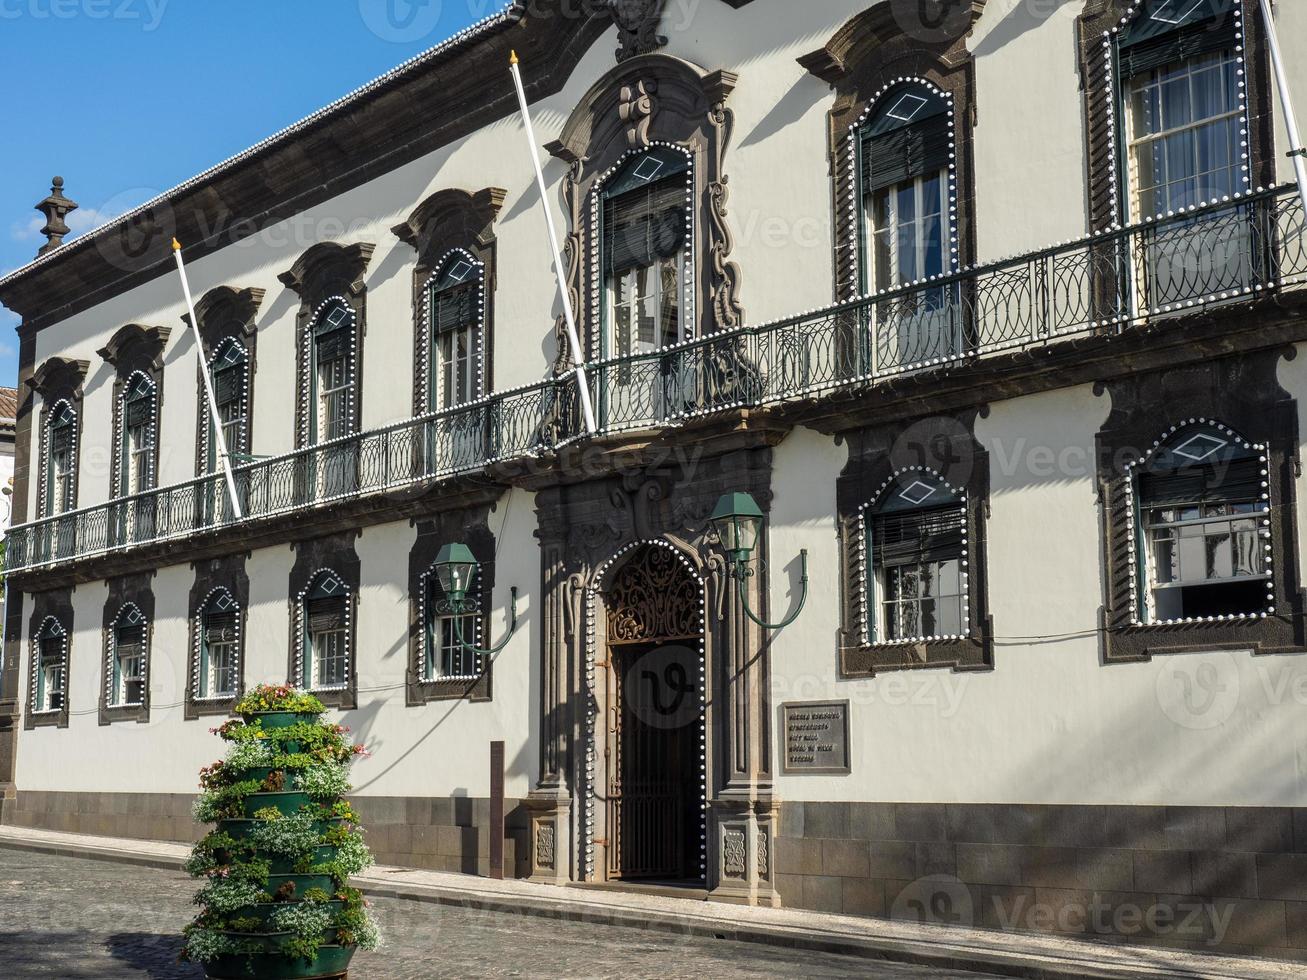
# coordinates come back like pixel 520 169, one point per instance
pixel 292 775
pixel 241 829
pixel 278 719
pixel 286 802
pixel 302 883
pixel 265 911
pixel 331 961
pixel 286 866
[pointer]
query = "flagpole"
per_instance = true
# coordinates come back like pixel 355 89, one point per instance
pixel 573 337
pixel 219 440
pixel 1296 150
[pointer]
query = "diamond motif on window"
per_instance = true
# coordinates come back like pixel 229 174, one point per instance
pixel 330 586
pixel 460 271
pixel 132 618
pixel 1200 447
pixel 1175 11
pixel 907 107
pixel 648 168
pixel 224 602
pixel 917 492
pixel 337 316
pixel 233 355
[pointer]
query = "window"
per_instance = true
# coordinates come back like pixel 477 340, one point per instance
pixel 1182 72
pixel 50 667
pixel 455 305
pixel 60 439
pixel 447 637
pixel 326 613
pixel 136 457
pixel 646 253
pixel 1204 525
pixel 127 659
pixel 218 667
pixel 332 412
pixel 229 371
pixel 918 569
pixel 904 148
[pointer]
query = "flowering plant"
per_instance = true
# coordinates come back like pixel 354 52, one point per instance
pixel 268 697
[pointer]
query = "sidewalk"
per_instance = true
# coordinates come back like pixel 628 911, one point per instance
pixel 981 950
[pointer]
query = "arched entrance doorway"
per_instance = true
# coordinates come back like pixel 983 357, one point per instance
pixel 654 751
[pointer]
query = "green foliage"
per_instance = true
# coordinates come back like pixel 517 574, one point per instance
pixel 325 781
pixel 306 922
pixel 228 895
pixel 287 837
pixel 224 803
pixel 268 697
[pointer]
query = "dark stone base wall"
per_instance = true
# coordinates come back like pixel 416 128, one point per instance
pixel 413 832
pixel 1225 879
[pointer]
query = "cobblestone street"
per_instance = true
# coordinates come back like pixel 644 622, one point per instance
pixel 79 919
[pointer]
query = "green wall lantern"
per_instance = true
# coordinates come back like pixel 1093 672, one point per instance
pixel 737 519
pixel 456 570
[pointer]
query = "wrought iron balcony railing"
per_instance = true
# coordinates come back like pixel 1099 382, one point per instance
pixel 1227 251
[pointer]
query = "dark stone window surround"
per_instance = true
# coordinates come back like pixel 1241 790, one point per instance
pixel 135 349
pixel 325 271
pixel 1243 393
pixel 225 312
pixel 336 554
pixel 58 379
pixel 129 590
pixel 210 577
pixel 450 221
pixel 1104 141
pixel 946 447
pixel 57 605
pixel 646 100
pixel 470 526
pixel 869 55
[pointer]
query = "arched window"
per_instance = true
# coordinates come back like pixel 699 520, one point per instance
pixel 49 667
pixel 218 635
pixel 60 462
pixel 127 667
pixel 229 369
pixel 916 541
pixel 646 251
pixel 332 381
pixel 138 425
pixel 1202 520
pixel 457 308
pixel 446 636
pixel 324 611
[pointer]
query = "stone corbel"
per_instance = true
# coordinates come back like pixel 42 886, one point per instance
pixel 133 337
pixel 59 377
pixel 327 262
pixel 238 306
pixel 459 214
pixel 637 26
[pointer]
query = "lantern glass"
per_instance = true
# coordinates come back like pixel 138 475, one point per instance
pixel 455 570
pixel 737 519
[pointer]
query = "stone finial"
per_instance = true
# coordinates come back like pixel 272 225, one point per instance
pixel 56 207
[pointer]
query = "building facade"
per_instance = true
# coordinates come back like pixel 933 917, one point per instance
pixel 994 313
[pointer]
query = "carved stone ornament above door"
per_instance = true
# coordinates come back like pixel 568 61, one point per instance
pixel 637 26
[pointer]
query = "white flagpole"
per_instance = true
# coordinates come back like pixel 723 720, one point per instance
pixel 1286 101
pixel 573 338
pixel 218 438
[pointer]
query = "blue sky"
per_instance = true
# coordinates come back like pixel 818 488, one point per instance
pixel 126 98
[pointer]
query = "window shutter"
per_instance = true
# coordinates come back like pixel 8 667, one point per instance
pixel 129 640
pixel 1149 43
pixel 902 154
pixel 138 411
pixel 1237 481
pixel 227 384
pixel 61 439
pixel 643 226
pixel 327 614
pixel 454 307
pixel 333 346
pixel 918 535
pixel 220 628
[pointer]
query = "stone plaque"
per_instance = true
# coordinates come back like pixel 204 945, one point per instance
pixel 816 735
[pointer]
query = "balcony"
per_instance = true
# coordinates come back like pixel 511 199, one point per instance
pixel 1108 284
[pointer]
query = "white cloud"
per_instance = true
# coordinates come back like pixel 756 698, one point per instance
pixel 80 221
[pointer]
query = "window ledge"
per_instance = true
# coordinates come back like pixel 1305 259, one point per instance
pixel 957 653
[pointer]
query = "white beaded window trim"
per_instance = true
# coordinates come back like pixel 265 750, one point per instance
pixel 310 352
pixel 111 652
pixel 198 642
pixel 45 489
pixel 589 790
pixel 866 575
pixel 598 301
pixel 206 428
pixel 424 642
pixel 37 638
pixel 1133 559
pixel 120 464
pixel 856 219
pixel 301 611
pixel 1115 139
pixel 426 353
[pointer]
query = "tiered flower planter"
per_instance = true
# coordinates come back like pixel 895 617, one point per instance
pixel 276 904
